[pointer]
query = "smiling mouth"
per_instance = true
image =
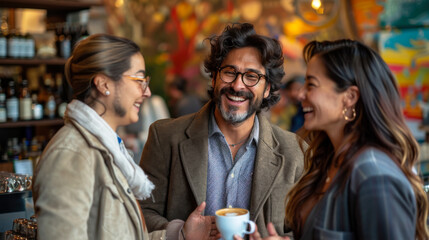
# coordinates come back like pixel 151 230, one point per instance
pixel 235 98
pixel 137 105
pixel 307 109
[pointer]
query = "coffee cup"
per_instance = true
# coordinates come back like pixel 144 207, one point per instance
pixel 233 221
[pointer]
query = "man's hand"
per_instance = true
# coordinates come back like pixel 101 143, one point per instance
pixel 199 227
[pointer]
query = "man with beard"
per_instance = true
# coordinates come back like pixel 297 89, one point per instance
pixel 227 154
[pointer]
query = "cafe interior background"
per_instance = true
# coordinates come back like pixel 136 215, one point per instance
pixel 172 33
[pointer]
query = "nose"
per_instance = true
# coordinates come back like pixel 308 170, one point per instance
pixel 301 93
pixel 238 83
pixel 147 93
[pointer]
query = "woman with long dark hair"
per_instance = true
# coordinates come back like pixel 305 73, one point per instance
pixel 359 181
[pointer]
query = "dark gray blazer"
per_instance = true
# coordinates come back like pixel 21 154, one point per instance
pixel 378 202
pixel 175 158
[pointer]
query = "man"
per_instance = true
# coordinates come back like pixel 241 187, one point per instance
pixel 227 154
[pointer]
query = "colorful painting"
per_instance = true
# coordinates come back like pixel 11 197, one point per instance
pixel 407 54
pixel 404 13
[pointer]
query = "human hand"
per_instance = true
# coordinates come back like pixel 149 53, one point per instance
pixel 271 231
pixel 199 227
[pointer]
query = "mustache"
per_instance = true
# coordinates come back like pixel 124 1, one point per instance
pixel 231 91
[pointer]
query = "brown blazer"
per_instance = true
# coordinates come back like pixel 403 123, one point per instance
pixel 175 158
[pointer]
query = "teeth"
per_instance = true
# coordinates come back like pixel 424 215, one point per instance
pixel 237 99
pixel 307 109
pixel 137 104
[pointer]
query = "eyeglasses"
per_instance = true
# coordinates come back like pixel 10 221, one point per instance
pixel 143 81
pixel 229 74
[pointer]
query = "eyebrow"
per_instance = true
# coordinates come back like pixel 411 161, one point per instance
pixel 245 70
pixel 141 71
pixel 311 77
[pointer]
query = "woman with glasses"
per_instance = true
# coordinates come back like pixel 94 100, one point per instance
pixel 86 183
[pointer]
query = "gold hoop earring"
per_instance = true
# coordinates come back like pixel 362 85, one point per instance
pixel 353 115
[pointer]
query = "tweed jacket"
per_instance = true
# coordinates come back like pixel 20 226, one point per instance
pixel 377 202
pixel 175 158
pixel 79 192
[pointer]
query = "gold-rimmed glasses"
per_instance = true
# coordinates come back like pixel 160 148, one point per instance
pixel 143 81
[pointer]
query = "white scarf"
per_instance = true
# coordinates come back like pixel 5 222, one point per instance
pixel 91 121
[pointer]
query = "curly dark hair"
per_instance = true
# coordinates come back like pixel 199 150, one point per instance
pixel 240 35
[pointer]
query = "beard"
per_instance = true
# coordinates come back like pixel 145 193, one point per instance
pixel 230 115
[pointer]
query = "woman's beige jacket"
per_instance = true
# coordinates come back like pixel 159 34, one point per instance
pixel 79 193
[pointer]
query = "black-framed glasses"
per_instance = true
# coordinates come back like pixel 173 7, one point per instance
pixel 143 81
pixel 228 74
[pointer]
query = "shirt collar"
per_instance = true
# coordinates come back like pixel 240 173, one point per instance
pixel 214 128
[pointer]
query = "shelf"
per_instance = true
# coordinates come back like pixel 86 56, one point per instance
pixel 31 123
pixel 32 61
pixel 57 5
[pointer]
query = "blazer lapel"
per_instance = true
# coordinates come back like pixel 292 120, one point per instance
pixel 194 153
pixel 268 163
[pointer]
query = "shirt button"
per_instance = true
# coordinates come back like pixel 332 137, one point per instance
pixel 128 190
pixel 232 175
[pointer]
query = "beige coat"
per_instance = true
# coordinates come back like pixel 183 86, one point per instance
pixel 79 193
pixel 175 158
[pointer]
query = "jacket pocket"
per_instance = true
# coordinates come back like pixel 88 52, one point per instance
pixel 113 215
pixel 326 234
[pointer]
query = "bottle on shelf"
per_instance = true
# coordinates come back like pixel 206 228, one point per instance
pixel 3 45
pixel 4 29
pixel 35 150
pixel 66 43
pixel 3 114
pixel 36 108
pixel 30 46
pixel 60 95
pixel 16 150
pixel 12 103
pixel 12 44
pixel 21 44
pixel 50 104
pixel 25 102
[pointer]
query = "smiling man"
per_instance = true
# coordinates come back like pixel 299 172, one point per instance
pixel 227 154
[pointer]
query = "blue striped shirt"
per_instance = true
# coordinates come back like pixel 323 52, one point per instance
pixel 229 181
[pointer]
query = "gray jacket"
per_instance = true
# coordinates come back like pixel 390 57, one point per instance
pixel 378 202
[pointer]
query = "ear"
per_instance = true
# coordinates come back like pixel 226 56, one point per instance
pixel 101 83
pixel 352 95
pixel 267 90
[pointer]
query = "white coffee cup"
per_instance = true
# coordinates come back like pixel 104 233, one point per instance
pixel 233 221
